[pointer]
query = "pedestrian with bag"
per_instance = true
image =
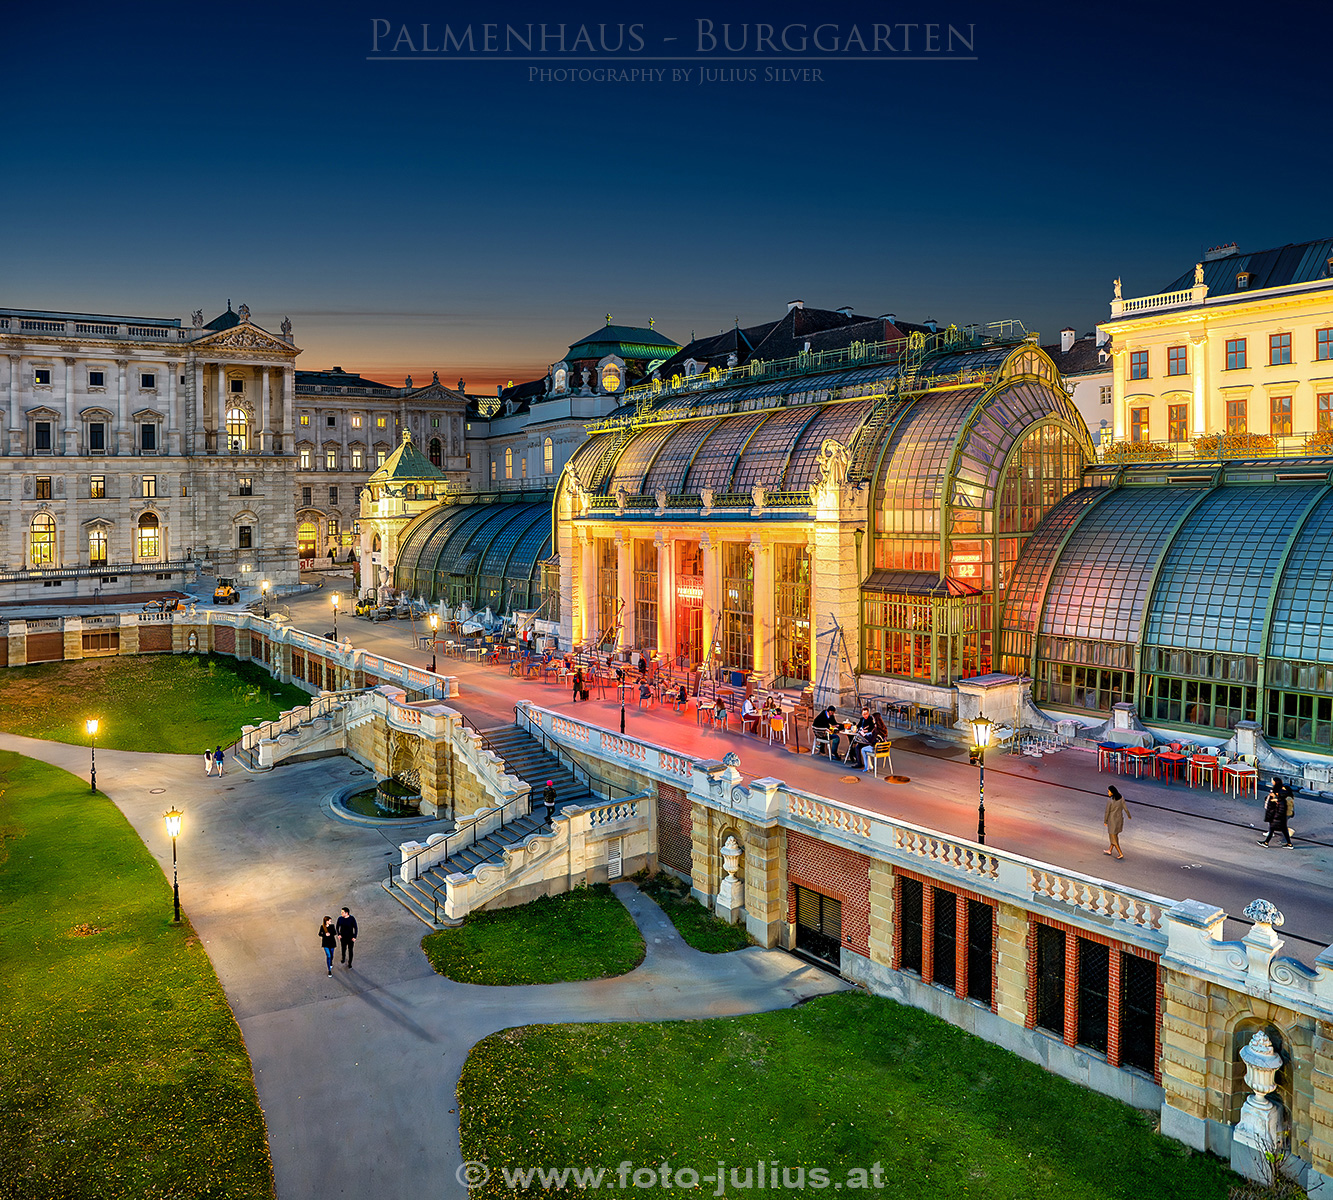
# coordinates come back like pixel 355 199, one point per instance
pixel 1278 808
pixel 328 938
pixel 578 684
pixel 1116 814
pixel 548 799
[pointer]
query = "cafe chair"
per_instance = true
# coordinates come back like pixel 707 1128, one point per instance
pixel 883 750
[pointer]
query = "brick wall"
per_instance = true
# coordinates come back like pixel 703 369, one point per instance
pixel 832 871
pixel 675 829
pixel 46 647
pixel 155 639
pixel 224 639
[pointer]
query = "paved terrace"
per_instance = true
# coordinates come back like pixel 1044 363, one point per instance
pixel 1181 842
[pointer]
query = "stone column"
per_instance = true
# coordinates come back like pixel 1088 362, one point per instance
pixel 288 441
pixel 199 438
pixel 587 601
pixel 763 608
pixel 265 445
pixel 70 433
pixel 220 408
pixel 712 599
pixel 666 596
pixel 172 435
pixel 122 442
pixel 1201 419
pixel 1118 393
pixel 15 388
pixel 71 630
pixel 629 634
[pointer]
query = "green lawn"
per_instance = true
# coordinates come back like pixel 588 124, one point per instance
pixel 699 927
pixel 172 703
pixel 124 1073
pixel 583 934
pixel 839 1084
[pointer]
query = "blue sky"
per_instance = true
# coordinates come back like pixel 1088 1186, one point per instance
pixel 412 215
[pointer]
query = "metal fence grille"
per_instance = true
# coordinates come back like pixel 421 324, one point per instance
pixel 1051 979
pixel 944 939
pixel 1094 973
pixel 819 924
pixel 910 910
pixel 980 943
pixel 1138 1012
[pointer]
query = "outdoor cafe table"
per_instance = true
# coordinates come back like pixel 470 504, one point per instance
pixel 1172 763
pixel 1201 765
pixel 1140 755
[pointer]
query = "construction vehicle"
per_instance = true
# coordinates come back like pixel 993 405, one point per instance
pixel 168 605
pixel 225 592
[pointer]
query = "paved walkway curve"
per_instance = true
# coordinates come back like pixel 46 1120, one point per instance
pixel 357 1073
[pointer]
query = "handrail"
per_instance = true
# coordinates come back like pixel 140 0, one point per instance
pixel 568 761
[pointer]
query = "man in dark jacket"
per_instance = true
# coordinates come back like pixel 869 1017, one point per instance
pixel 548 799
pixel 346 936
pixel 828 721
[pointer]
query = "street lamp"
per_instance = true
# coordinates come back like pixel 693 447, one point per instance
pixel 434 625
pixel 173 819
pixel 91 726
pixel 334 599
pixel 263 588
pixel 981 731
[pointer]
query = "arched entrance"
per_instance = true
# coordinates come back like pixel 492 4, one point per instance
pixel 307 539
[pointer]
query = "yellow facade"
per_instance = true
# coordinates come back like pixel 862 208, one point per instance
pixel 1250 365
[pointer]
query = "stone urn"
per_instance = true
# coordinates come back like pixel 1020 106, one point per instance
pixel 730 906
pixel 1260 1126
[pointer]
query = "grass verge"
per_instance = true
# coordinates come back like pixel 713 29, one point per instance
pixel 583 934
pixel 124 1072
pixel 171 703
pixel 838 1084
pixel 700 928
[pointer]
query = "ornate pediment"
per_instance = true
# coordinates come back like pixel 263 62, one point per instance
pixel 43 413
pixel 246 337
pixel 97 414
pixel 146 414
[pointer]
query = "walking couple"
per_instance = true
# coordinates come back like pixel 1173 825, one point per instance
pixel 213 758
pixel 332 933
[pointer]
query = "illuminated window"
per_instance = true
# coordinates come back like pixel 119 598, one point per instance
pixel 435 422
pixel 1177 361
pixel 238 430
pixel 1138 424
pixel 356 420
pixel 333 527
pixel 1323 344
pixel 306 536
pixel 149 487
pixel 358 460
pixel 1279 349
pixel 1138 364
pixel 380 422
pixel 1238 420
pixel 548 457
pixel 523 466
pixel 305 418
pixel 380 456
pixel 305 458
pixel 149 536
pixel 97 487
pixel 43 535
pixel 1106 395
pixel 492 470
pixel 97 546
pixel 509 462
pixel 1324 412
pixel 330 460
pixel 610 378
pixel 43 487
pixel 1281 416
pixel 1177 422
pixel 41 376
pixel 1236 354
pixel 558 379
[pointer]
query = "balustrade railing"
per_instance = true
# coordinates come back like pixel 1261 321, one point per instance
pixel 642 757
pixel 1161 300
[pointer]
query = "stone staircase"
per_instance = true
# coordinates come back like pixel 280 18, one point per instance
pixel 523 756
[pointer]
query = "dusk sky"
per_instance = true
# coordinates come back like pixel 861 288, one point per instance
pixel 450 211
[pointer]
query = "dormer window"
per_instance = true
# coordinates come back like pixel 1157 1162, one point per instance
pixel 559 379
pixel 611 378
pixel 1243 280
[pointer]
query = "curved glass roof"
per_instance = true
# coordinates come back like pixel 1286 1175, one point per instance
pixel 1306 590
pixel 502 539
pixel 716 459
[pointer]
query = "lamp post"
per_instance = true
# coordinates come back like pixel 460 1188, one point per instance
pixel 434 625
pixel 91 726
pixel 173 819
pixel 981 731
pixel 334 599
pixel 263 588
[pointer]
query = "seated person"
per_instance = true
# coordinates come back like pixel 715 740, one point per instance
pixel 749 715
pixel 681 700
pixel 826 722
pixel 719 713
pixel 645 692
pixel 878 733
pixel 862 735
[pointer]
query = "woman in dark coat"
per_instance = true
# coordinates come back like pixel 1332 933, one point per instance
pixel 328 938
pixel 1116 813
pixel 578 683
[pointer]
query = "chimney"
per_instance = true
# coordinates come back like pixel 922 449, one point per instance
pixel 845 311
pixel 795 304
pixel 1066 340
pixel 931 324
pixel 1102 336
pixel 891 318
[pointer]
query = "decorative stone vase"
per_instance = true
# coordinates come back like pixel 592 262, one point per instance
pixel 730 906
pixel 1260 1126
